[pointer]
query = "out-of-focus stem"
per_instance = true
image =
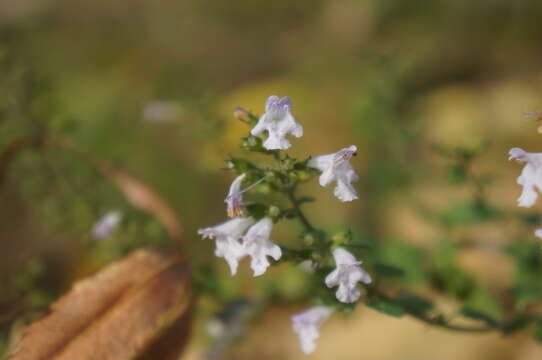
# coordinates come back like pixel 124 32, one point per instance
pixel 295 203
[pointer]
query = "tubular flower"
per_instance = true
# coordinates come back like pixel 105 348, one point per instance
pixel 531 176
pixel 105 226
pixel 234 200
pixel 538 233
pixel 278 122
pixel 227 237
pixel 337 167
pixel 307 323
pixel 346 275
pixel 258 246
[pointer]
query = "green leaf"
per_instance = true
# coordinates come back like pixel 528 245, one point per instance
pixel 386 270
pixel 253 143
pixel 405 257
pixel 414 304
pixel 518 323
pixel 256 210
pixel 387 307
pixel 467 213
pixel 448 276
pixel 483 301
pixel 305 199
pixel 538 331
pixel 478 315
pixel 239 165
pixel 457 173
pixel 530 219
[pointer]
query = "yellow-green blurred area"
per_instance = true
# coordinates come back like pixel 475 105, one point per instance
pixel 151 86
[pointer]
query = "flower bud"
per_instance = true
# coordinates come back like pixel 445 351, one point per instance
pixel 273 211
pixel 238 165
pixel 342 238
pixel 309 239
pixel 240 113
pixel 288 163
pixel 303 175
pixel 253 143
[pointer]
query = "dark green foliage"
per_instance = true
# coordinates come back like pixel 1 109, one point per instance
pixel 405 257
pixel 478 315
pixel 386 307
pixel 388 271
pixel 538 331
pixel 414 304
pixel 448 276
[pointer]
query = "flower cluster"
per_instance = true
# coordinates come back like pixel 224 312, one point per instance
pixel 248 233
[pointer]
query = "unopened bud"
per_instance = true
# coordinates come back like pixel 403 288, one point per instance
pixel 240 113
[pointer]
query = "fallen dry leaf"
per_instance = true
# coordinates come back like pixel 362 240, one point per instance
pixel 143 197
pixel 135 308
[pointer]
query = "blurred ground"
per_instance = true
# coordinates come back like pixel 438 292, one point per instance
pixel 370 335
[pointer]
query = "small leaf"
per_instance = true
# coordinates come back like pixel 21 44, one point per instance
pixel 305 199
pixel 239 165
pixel 385 270
pixel 518 323
pixel 414 304
pixel 387 307
pixel 538 331
pixel 478 315
pixel 256 210
pixel 406 257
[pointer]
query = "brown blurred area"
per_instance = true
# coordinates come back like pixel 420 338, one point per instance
pixel 151 86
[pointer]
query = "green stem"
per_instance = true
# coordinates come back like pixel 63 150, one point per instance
pixel 439 323
pixel 306 223
pixel 433 320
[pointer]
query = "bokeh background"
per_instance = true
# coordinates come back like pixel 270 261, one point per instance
pixel 151 87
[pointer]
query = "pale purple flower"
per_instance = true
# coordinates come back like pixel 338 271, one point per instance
pixel 346 275
pixel 258 246
pixel 278 122
pixel 531 176
pixel 307 323
pixel 234 200
pixel 337 167
pixel 105 226
pixel 227 236
pixel 538 233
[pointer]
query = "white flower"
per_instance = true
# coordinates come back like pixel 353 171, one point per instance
pixel 227 237
pixel 234 200
pixel 258 246
pixel 336 167
pixel 347 274
pixel 105 226
pixel 538 233
pixel 278 121
pixel 531 176
pixel 306 326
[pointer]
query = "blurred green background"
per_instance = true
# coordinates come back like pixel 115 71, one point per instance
pixel 151 87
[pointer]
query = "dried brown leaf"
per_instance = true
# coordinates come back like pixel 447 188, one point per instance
pixel 136 308
pixel 144 198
